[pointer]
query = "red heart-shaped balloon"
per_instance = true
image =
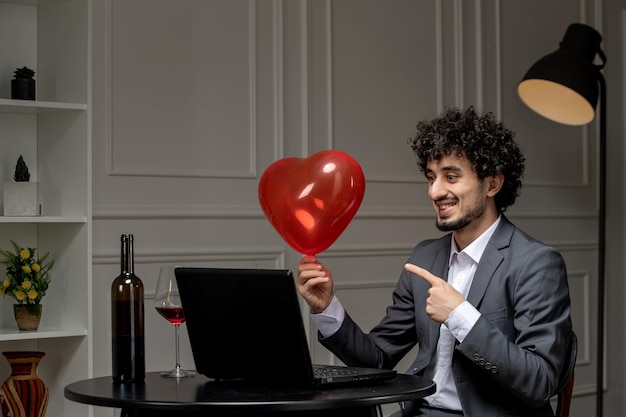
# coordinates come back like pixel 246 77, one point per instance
pixel 310 201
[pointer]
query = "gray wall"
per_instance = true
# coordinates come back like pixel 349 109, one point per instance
pixel 193 99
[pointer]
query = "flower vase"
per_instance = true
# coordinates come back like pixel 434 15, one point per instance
pixel 27 316
pixel 23 393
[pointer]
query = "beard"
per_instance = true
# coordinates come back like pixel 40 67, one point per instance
pixel 453 225
pixel 475 212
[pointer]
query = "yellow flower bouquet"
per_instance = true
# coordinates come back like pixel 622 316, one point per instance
pixel 27 276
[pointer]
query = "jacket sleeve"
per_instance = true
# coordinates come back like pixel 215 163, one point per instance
pixel 405 323
pixel 386 344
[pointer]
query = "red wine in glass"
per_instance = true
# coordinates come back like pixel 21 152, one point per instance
pixel 174 315
pixel 167 303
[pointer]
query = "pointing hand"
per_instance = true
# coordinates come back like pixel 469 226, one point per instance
pixel 442 297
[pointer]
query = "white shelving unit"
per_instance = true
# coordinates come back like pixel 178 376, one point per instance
pixel 53 133
pixel 36 107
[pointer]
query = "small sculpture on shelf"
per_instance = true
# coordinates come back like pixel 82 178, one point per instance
pixel 21 197
pixel 21 171
pixel 27 280
pixel 23 84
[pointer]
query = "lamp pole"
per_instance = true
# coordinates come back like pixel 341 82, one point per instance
pixel 601 244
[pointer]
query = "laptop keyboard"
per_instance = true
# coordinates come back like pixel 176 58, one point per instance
pixel 334 371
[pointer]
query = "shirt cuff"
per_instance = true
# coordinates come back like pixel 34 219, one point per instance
pixel 462 320
pixel 331 319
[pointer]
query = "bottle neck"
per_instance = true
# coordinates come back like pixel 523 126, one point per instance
pixel 131 255
pixel 127 252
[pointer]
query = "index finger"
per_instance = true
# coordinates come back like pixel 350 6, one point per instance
pixel 423 274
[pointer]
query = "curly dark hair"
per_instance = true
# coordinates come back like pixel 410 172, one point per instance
pixel 486 143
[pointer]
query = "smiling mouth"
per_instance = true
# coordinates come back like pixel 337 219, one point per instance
pixel 443 208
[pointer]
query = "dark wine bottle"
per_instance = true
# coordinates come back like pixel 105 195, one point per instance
pixel 127 320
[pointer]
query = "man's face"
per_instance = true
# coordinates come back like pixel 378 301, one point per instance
pixel 458 195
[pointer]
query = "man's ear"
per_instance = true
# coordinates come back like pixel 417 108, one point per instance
pixel 495 183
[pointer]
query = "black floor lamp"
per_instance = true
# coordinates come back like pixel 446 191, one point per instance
pixel 564 86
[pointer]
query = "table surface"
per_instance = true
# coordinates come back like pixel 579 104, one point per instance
pixel 202 393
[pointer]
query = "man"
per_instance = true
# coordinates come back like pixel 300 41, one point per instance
pixel 488 305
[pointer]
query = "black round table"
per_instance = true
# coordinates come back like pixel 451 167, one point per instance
pixel 159 396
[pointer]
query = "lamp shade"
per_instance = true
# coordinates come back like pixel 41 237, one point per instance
pixel 563 86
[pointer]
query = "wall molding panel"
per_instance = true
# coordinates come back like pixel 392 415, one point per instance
pixel 249 170
pixel 136 211
pixel 194 254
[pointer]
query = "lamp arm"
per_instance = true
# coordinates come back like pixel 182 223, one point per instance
pixel 600 53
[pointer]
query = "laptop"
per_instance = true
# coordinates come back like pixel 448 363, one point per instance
pixel 246 324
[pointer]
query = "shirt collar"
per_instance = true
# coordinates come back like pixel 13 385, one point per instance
pixel 475 249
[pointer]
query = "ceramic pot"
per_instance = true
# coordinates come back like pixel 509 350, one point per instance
pixel 23 89
pixel 27 316
pixel 23 393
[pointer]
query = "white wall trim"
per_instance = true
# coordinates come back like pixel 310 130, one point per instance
pixel 152 211
pixel 252 106
pixel 478 25
pixel 279 87
pixel 439 54
pixel 498 58
pixel 305 76
pixel 276 254
pixel 459 50
pixel 586 337
pixel 329 76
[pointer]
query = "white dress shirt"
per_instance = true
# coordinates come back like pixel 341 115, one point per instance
pixel 461 320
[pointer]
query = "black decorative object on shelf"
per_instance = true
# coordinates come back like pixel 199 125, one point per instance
pixel 21 171
pixel 23 84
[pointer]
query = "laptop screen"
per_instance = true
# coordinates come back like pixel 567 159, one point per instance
pixel 245 324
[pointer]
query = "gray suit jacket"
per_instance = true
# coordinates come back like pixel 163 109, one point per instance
pixel 510 362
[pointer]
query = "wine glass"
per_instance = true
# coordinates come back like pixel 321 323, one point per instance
pixel 167 303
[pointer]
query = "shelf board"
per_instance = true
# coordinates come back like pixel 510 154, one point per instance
pixel 30 2
pixel 37 107
pixel 43 219
pixel 43 333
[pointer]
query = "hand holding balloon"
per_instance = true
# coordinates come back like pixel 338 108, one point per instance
pixel 315 284
pixel 311 201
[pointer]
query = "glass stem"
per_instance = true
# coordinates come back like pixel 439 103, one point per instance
pixel 177 347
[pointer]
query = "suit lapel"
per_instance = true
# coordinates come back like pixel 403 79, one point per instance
pixel 490 260
pixel 441 260
pixel 440 267
pixel 484 273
